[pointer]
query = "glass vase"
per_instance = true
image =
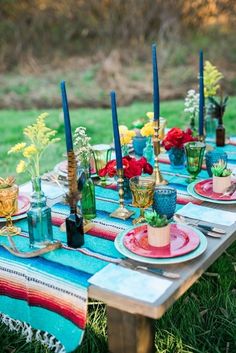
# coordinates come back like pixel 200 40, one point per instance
pixel 127 190
pixel 148 151
pixel 139 143
pixel 88 202
pixel 211 121
pixel 125 150
pixel 177 157
pixel 39 217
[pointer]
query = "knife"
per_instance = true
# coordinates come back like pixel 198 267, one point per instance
pixel 208 233
pixel 156 271
pixel 211 229
pixel 159 271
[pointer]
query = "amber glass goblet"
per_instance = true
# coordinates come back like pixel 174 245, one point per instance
pixel 194 156
pixel 142 188
pixel 9 206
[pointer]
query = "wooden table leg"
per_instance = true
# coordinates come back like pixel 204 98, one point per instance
pixel 129 333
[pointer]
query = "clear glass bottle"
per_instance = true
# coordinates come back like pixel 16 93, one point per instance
pixel 88 202
pixel 39 217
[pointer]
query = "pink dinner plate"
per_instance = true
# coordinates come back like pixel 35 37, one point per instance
pixel 23 205
pixel 183 240
pixel 62 167
pixel 204 188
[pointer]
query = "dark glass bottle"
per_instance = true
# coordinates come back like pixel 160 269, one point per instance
pixel 220 133
pixel 74 229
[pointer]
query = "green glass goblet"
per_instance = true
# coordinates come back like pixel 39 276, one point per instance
pixel 142 188
pixel 101 155
pixel 194 157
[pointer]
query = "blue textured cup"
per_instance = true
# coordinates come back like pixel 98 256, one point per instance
pixel 139 142
pixel 164 201
pixel 213 157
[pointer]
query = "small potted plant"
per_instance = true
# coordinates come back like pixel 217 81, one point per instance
pixel 158 228
pixel 221 177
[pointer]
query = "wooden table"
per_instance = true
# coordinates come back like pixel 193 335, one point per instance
pixel 131 322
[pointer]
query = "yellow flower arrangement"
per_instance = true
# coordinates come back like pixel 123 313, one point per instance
pixel 126 135
pixel 148 129
pixel 150 115
pixel 40 137
pixel 212 76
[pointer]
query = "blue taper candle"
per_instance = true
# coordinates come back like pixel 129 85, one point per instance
pixel 156 98
pixel 69 143
pixel 201 95
pixel 116 133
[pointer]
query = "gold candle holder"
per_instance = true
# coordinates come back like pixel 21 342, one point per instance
pixel 201 138
pixel 159 180
pixel 121 212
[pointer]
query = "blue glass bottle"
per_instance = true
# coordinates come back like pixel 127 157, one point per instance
pixel 39 217
pixel 148 151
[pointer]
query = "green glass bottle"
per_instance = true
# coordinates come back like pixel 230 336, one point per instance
pixel 88 202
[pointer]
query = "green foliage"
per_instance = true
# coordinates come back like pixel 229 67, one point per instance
pixel 218 106
pixel 156 220
pixel 219 169
pixel 212 76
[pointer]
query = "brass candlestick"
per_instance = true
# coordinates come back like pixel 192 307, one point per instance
pixel 201 138
pixel 159 180
pixel 121 212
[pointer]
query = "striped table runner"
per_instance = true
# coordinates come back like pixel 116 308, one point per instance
pixel 49 293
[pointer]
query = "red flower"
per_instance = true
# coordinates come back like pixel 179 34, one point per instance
pixel 132 167
pixel 177 138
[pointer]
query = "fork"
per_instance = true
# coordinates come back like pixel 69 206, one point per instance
pixel 206 230
pixel 156 271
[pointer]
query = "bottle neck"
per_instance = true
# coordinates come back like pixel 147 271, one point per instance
pixel 37 198
pixel 220 120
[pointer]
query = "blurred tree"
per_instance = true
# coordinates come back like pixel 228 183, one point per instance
pixel 45 28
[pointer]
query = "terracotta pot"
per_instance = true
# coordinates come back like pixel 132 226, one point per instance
pixel 158 236
pixel 220 184
pixel 8 200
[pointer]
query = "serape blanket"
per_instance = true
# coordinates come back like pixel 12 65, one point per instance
pixel 49 293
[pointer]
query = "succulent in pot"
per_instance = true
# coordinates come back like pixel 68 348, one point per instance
pixel 221 176
pixel 158 229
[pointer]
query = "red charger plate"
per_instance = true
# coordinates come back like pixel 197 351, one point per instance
pixel 204 188
pixel 183 240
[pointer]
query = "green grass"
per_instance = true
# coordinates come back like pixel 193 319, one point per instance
pixel 201 321
pixel 97 121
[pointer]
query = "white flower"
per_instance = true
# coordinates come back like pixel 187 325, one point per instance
pixel 83 149
pixel 191 102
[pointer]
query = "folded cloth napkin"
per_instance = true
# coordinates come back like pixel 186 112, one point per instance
pixel 212 215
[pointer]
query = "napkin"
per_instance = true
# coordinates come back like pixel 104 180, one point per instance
pixel 211 215
pixel 131 283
